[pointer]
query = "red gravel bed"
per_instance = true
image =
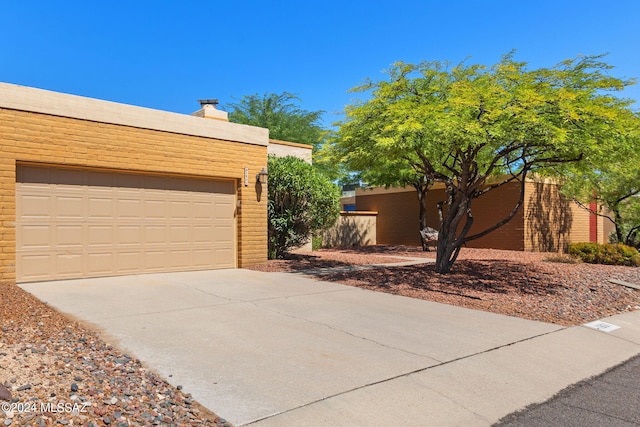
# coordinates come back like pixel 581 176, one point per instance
pixel 299 261
pixel 62 373
pixel 513 283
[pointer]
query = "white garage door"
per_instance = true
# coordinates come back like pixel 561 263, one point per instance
pixel 73 223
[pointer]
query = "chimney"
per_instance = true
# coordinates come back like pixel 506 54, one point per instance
pixel 208 110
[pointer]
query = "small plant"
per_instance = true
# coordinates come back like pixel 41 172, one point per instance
pixel 610 254
pixel 316 243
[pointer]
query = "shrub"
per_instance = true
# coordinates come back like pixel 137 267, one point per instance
pixel 301 203
pixel 316 243
pixel 611 253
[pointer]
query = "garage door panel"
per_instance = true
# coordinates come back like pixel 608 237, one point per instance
pixel 130 208
pixel 202 210
pixel 100 235
pixel 224 258
pixel 39 266
pixel 129 234
pixel 155 260
pixel 129 262
pixel 81 223
pixel 180 234
pixel 203 233
pixel 179 258
pixel 101 208
pixel 154 234
pixel 155 209
pixel 33 236
pixel 180 210
pixel 69 206
pixel 69 235
pixel 223 210
pixel 201 258
pixel 70 264
pixel 99 263
pixel 224 234
pixel 33 205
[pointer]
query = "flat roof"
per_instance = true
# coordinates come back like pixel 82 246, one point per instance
pixel 30 99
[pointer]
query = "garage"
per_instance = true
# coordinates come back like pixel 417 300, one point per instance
pixel 75 223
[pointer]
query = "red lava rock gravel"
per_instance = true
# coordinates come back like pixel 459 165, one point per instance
pixel 61 373
pixel 514 283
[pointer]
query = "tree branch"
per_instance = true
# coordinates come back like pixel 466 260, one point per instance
pixel 506 219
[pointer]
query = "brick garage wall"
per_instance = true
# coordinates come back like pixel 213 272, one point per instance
pixel 54 140
pixel 397 221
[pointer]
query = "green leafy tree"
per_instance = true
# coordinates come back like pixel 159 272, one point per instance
pixel 301 202
pixel 611 179
pixel 286 121
pixel 476 128
pixel 281 114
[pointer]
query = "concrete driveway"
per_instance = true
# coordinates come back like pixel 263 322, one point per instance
pixel 273 349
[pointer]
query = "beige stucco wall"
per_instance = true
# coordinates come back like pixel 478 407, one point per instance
pixel 352 229
pixel 284 148
pixel 45 127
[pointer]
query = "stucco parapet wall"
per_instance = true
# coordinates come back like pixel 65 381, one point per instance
pixel 29 99
pixel 285 148
pixel 370 191
pixel 358 213
pixel 291 144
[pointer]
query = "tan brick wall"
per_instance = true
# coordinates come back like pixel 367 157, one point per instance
pixel 41 138
pixel 398 222
pixel 551 220
pixel 545 222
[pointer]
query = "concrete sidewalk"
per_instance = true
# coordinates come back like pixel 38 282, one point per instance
pixel 273 349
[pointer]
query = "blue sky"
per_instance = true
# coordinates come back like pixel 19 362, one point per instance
pixel 168 54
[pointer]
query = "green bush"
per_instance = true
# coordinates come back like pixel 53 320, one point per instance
pixel 610 254
pixel 316 243
pixel 302 202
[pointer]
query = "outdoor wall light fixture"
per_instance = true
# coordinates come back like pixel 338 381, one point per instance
pixel 261 176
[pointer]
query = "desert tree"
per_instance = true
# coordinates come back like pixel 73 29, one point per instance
pixel 475 129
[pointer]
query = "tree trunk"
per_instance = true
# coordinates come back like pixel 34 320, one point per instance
pixel 446 254
pixel 449 239
pixel 422 200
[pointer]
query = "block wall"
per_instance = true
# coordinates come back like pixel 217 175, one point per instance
pixel 32 137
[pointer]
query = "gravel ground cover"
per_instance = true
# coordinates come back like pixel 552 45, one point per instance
pixel 60 372
pixel 300 261
pixel 520 284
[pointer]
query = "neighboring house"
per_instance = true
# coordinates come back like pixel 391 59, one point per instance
pixel 545 222
pixel 95 188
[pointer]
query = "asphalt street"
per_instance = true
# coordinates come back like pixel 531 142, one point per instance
pixel 610 399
